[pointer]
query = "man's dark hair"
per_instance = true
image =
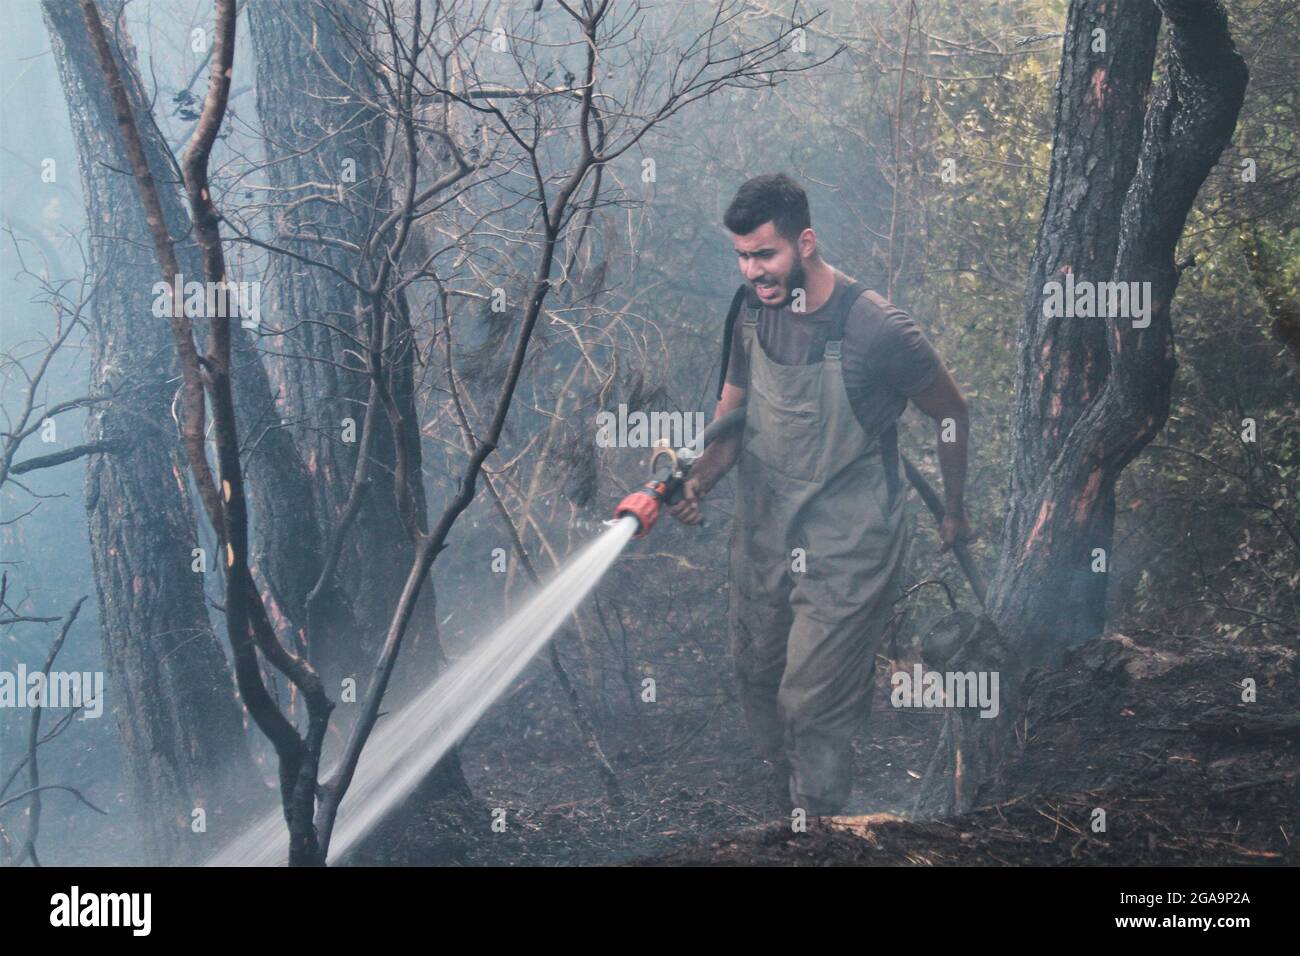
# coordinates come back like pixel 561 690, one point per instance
pixel 774 197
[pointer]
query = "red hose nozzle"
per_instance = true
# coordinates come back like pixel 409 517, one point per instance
pixel 643 505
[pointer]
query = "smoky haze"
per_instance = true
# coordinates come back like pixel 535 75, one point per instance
pixel 923 135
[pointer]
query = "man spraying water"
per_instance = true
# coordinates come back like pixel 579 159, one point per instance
pixel 824 368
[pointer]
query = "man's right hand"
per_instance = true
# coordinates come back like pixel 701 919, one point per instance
pixel 712 464
pixel 687 510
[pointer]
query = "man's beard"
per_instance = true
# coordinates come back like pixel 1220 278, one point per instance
pixel 794 282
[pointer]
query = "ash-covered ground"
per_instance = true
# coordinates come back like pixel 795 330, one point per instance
pixel 1148 727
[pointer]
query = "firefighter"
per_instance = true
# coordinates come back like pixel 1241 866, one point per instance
pixel 825 367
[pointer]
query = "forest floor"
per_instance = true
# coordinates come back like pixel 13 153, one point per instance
pixel 1148 727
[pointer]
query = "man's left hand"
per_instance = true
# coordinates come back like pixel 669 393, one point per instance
pixel 956 529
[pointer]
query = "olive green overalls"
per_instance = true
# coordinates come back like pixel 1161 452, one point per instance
pixel 804 642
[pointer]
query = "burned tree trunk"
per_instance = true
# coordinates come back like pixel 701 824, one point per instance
pixel 169 685
pixel 1091 392
pixel 325 152
pixel 1062 363
pixel 1079 425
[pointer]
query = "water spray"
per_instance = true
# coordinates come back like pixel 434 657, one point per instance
pixel 408 743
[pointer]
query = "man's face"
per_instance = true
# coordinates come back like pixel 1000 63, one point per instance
pixel 771 263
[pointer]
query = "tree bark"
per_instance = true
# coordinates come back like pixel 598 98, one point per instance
pixel 1062 363
pixel 170 687
pixel 322 140
pixel 1092 392
pixel 318 129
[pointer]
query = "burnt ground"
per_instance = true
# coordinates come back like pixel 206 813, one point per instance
pixel 1149 727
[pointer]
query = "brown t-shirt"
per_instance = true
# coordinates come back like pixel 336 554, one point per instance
pixel 886 357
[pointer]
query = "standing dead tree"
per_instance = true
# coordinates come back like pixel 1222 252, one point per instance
pixel 1091 393
pixel 172 697
pixel 331 169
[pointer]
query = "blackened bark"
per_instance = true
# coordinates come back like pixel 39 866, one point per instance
pixel 323 141
pixel 1091 393
pixel 288 542
pixel 972 747
pixel 1083 413
pixel 169 685
pixel 1100 100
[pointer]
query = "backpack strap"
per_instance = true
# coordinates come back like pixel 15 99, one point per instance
pixel 834 347
pixel 728 331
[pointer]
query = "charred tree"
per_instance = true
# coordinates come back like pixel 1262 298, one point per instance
pixel 1082 413
pixel 316 99
pixel 326 162
pixel 1062 363
pixel 1091 393
pixel 171 690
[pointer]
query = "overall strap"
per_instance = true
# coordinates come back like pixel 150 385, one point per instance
pixel 834 346
pixel 728 330
pixel 840 319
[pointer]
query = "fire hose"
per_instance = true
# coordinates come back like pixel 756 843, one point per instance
pixel 670 468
